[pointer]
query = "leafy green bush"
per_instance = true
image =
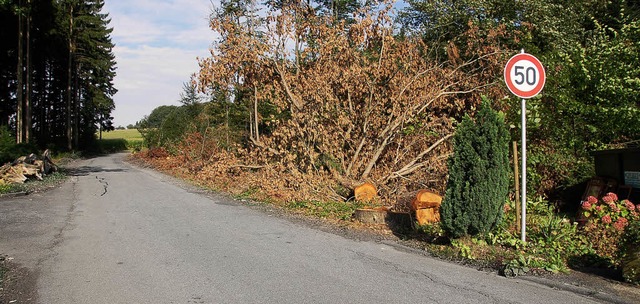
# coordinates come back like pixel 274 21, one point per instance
pixel 135 145
pixel 167 125
pixel 630 253
pixel 9 150
pixel 552 240
pixel 7 144
pixel 112 145
pixel 478 175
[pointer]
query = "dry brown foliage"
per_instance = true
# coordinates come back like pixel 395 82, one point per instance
pixel 363 105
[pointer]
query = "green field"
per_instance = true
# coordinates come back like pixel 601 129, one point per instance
pixel 119 140
pixel 129 134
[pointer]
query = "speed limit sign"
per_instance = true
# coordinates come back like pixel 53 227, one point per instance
pixel 524 75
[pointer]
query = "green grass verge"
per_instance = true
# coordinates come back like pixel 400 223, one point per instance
pixel 335 210
pixel 48 181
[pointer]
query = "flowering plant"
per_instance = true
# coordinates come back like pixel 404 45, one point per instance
pixel 605 222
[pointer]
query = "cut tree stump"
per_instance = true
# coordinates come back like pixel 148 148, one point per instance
pixel 426 199
pixel 427 216
pixel 366 193
pixel 371 216
pixel 426 206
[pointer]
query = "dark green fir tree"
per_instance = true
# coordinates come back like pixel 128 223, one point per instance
pixel 478 175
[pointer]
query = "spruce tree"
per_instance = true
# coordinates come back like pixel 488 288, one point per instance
pixel 478 181
pixel 94 70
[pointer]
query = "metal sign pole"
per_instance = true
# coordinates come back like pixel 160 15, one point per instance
pixel 525 78
pixel 524 173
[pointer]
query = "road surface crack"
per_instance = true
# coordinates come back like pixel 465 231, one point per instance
pixel 104 183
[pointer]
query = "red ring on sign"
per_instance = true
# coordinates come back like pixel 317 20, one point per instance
pixel 507 75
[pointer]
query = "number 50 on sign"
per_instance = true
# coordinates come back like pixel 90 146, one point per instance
pixel 524 75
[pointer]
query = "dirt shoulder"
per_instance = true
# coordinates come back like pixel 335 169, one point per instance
pixel 28 223
pixel 18 284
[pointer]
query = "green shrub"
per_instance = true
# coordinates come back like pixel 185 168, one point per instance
pixel 9 150
pixel 7 144
pixel 112 145
pixel 478 175
pixel 135 145
pixel 630 253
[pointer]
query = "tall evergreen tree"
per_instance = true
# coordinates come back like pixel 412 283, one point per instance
pixel 478 175
pixel 92 64
pixel 67 66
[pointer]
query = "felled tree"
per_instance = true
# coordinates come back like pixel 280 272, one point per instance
pixel 348 102
pixel 478 175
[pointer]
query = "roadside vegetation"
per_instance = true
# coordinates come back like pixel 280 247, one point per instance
pixel 303 101
pixel 367 95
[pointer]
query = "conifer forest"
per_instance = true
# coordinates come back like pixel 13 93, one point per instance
pixel 56 68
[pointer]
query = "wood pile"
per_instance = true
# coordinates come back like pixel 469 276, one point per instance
pixel 27 167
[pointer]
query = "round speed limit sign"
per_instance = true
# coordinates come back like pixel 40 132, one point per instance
pixel 524 75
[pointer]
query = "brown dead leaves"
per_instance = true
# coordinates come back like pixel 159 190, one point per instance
pixel 361 104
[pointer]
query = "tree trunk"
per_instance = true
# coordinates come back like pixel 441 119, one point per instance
pixel 255 112
pixel 76 108
pixel 19 75
pixel 69 81
pixel 226 124
pixel 27 99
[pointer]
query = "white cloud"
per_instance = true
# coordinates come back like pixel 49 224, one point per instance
pixel 157 42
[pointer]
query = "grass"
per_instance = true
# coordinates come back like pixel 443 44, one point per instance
pixel 120 140
pixel 48 181
pixel 335 210
pixel 128 134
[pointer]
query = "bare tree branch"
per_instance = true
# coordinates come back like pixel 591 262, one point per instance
pixel 295 100
pixel 411 166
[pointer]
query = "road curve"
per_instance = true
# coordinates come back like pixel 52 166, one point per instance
pixel 116 233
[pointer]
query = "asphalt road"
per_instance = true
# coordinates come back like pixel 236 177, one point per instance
pixel 115 233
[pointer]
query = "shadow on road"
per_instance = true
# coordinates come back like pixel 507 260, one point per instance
pixel 86 170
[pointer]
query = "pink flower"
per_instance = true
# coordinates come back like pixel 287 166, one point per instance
pixel 592 200
pixel 608 198
pixel 615 208
pixel 599 208
pixel 586 205
pixel 620 223
pixel 606 219
pixel 613 196
pixel 629 205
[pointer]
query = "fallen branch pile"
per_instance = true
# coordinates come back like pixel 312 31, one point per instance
pixel 25 167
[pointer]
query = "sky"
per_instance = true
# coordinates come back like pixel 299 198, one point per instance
pixel 156 46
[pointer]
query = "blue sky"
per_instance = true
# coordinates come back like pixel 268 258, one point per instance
pixel 157 43
pixel 156 46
